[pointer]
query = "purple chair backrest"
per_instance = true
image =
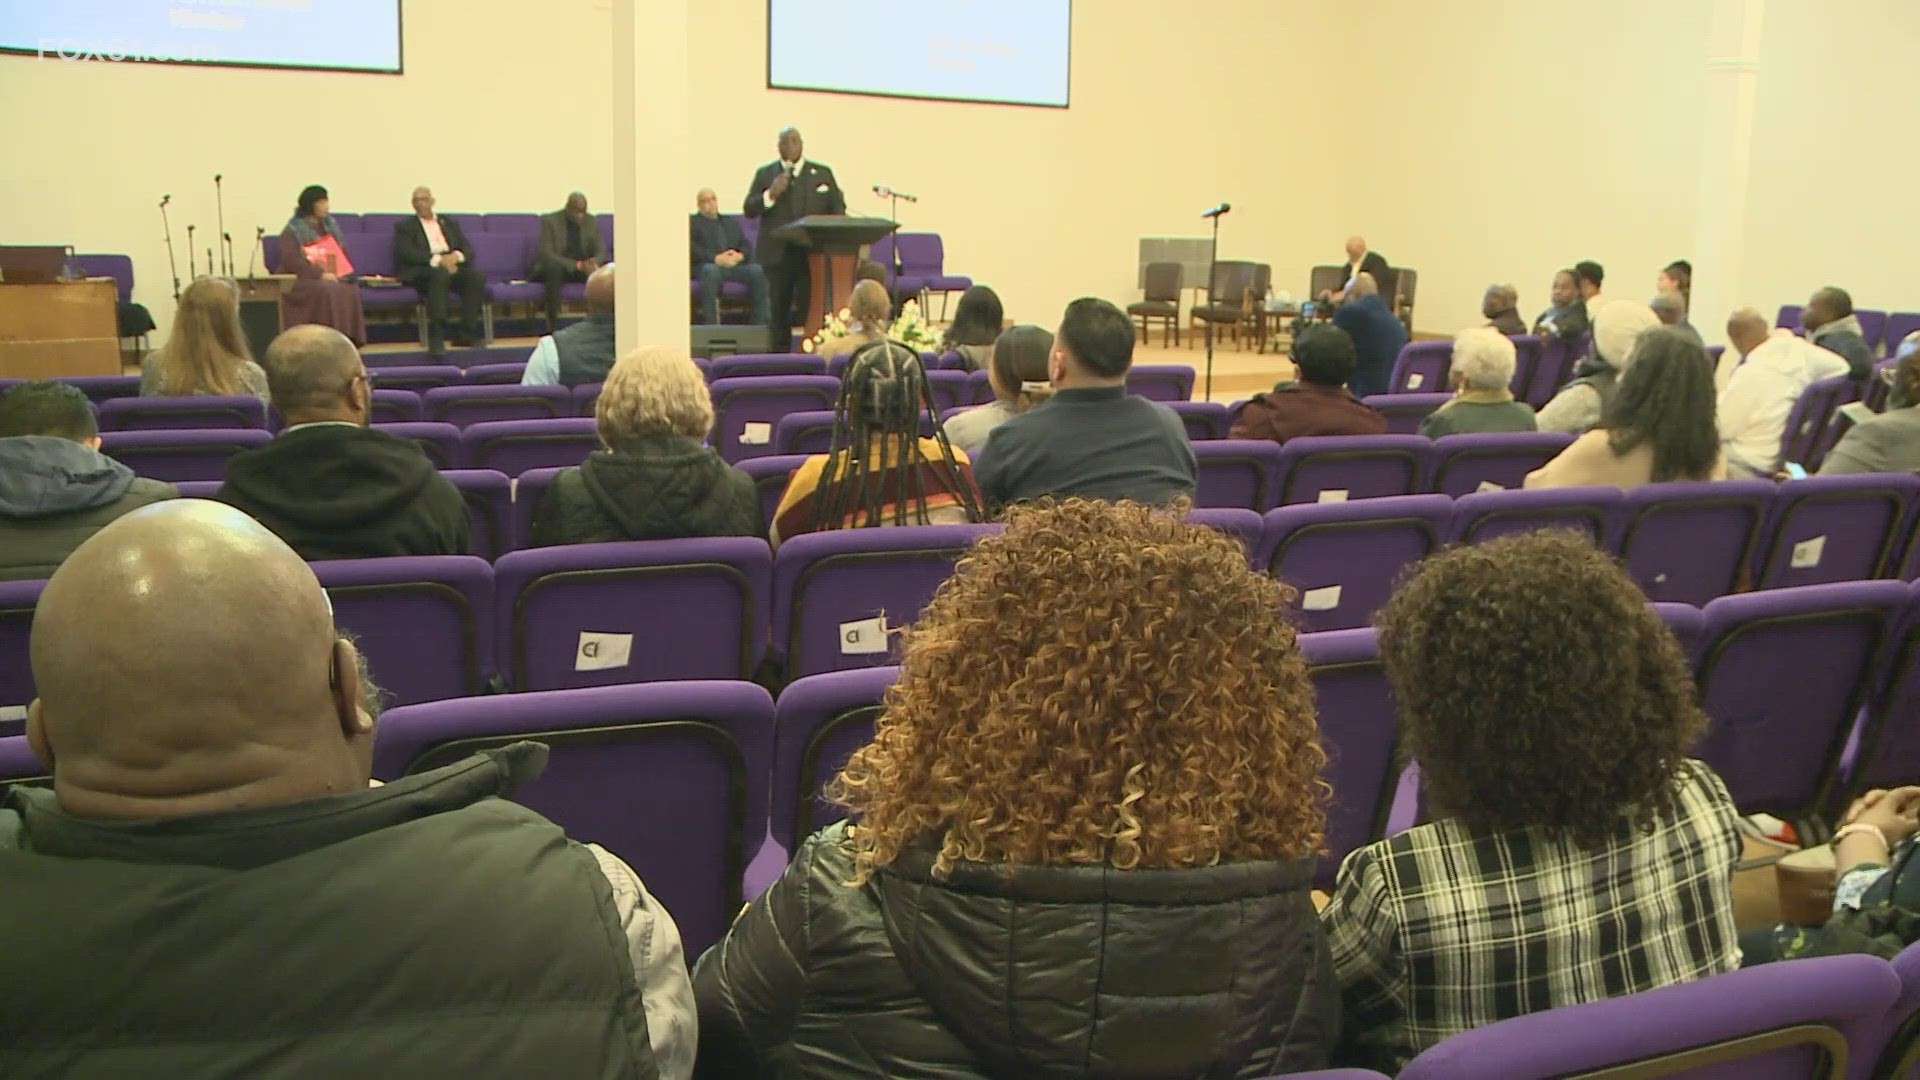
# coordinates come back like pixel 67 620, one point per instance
pixel 425 623
pixel 489 498
pixel 749 364
pixel 1783 1021
pixel 1405 411
pixel 1835 528
pixel 771 475
pixel 1553 370
pixel 1800 438
pixel 586 397
pixel 1889 754
pixel 980 388
pixel 17 601
pixel 396 407
pixel 514 446
pixel 921 253
pixel 1345 557
pixel 1236 472
pixel 1528 352
pixel 818 722
pixel 950 389
pixel 803 433
pixel 1789 316
pixel 117 267
pixel 1203 419
pixel 1901 1058
pixel 507 373
pixel 1489 515
pixel 503 256
pixel 1421 367
pixel 640 611
pixel 1873 325
pixel 380 222
pixel 511 223
pixel 440 442
pixel 746 409
pixel 1360 727
pixel 103 388
pixel 182 413
pixel 1238 522
pixel 464 405
pixel 1464 464
pixel 180 455
pixel 528 489
pixel 417 378
pixel 372 252
pixel 1690 542
pixel 605 222
pixel 1688 624
pixel 832 591
pixel 18 761
pixel 1335 468
pixel 671 777
pixel 1161 382
pixel 1778 722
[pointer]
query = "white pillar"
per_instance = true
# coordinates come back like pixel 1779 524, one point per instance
pixel 1726 158
pixel 650 155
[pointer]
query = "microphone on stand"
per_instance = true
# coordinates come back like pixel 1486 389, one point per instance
pixel 1218 210
pixel 220 208
pixel 191 272
pixel 226 252
pixel 886 192
pixel 259 232
pixel 172 267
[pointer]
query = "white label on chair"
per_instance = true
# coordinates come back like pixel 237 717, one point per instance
pixel 1325 598
pixel 1488 485
pixel 1332 495
pixel 864 638
pixel 756 434
pixel 598 652
pixel 1807 553
pixel 1414 379
pixel 13 712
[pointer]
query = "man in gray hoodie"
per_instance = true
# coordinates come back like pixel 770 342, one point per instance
pixel 56 488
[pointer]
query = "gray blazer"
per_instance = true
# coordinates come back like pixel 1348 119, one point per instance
pixel 553 239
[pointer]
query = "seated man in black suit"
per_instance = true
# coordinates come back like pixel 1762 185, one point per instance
pixel 431 253
pixel 1359 261
pixel 570 249
pixel 783 192
pixel 721 254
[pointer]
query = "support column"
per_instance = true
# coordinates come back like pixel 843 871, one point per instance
pixel 1726 159
pixel 650 156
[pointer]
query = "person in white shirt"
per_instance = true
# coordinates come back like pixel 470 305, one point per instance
pixel 431 253
pixel 1774 368
pixel 1359 261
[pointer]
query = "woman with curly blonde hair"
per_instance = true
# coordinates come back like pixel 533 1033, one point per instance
pixel 1081 839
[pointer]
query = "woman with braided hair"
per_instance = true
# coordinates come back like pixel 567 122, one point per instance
pixel 879 471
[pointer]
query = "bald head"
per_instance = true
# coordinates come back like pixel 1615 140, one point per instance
pixel 186 662
pixel 315 374
pixel 1669 308
pixel 577 206
pixel 707 202
pixel 600 291
pixel 1746 329
pixel 791 145
pixel 1363 285
pixel 1828 305
pixel 1356 248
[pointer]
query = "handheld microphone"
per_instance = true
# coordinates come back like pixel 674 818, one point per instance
pixel 1218 210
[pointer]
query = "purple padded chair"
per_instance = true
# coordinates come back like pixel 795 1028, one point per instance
pixel 803 433
pixel 1528 353
pixel 1161 382
pixel 1344 558
pixel 980 387
pixel 1335 468
pixel 1203 419
pixel 950 389
pixel 1690 542
pixel 180 455
pixel 1835 528
pixel 586 397
pixel 1786 1021
pixel 1489 515
pixel 511 223
pixel 1238 522
pixel 203 413
pixel 1899 325
pixel 1552 370
pixel 1783 675
pixel 18 761
pixel 425 623
pixel 440 442
pixel 670 777
pixel 528 489
pixel 750 364
pixel 923 265
pixel 17 601
pixel 1789 317
pixel 1464 464
pixel 747 408
pixel 1688 624
pixel 1237 472
pixel 1889 753
pixel 504 256
pixel 818 722
pixel 679 609
pixel 826 582
pixel 117 267
pixel 1806 425
pixel 1360 727
pixel 770 478
pixel 1873 326
pixel 464 405
pixel 104 388
pixel 514 446
pixel 1405 411
pixel 380 222
pixel 490 356
pixel 397 407
pixel 496 374
pixel 489 497
pixel 1421 367
pixel 1900 1057
pixel 418 378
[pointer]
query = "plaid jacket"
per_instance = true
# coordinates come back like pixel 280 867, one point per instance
pixel 1439 930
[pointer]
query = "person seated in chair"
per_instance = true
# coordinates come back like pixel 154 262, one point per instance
pixel 1378 335
pixel 326 293
pixel 1359 261
pixel 1831 324
pixel 1775 369
pixel 570 249
pixel 977 323
pixel 1566 318
pixel 432 254
pixel 583 352
pixel 721 254
pixel 1671 309
pixel 1501 306
pixel 1482 377
pixel 1018 376
pixel 1890 441
pixel 1312 398
pixel 206 354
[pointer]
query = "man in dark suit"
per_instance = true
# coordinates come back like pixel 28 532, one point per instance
pixel 431 253
pixel 1359 261
pixel 569 250
pixel 784 191
pixel 721 254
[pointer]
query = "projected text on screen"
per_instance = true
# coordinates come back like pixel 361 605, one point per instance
pixel 1000 51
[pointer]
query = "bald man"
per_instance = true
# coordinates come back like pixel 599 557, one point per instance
pixel 721 254
pixel 583 352
pixel 328 484
pixel 432 255
pixel 1378 335
pixel 1671 309
pixel 1359 261
pixel 570 248
pixel 782 192
pixel 1830 323
pixel 1774 368
pixel 212 888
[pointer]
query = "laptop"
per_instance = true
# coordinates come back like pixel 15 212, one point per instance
pixel 40 264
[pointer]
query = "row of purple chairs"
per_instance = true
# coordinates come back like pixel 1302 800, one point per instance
pixel 1541 366
pixel 1877 327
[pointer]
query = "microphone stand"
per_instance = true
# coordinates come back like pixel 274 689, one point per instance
pixel 226 239
pixel 220 209
pixel 258 233
pixel 191 272
pixel 1213 274
pixel 172 267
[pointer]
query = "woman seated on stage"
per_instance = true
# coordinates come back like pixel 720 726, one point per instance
pixel 977 323
pixel 206 353
pixel 1018 374
pixel 325 294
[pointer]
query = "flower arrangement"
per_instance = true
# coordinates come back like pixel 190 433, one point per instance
pixel 910 329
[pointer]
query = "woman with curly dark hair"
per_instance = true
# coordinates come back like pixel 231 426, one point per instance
pixel 1659 424
pixel 1082 837
pixel 1575 851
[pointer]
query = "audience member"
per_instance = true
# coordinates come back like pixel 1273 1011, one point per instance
pixel 1830 323
pixel 1359 261
pixel 1671 309
pixel 1566 319
pixel 570 249
pixel 1874 894
pixel 1082 836
pixel 206 353
pixel 1501 306
pixel 210 734
pixel 721 254
pixel 878 470
pixel 1676 276
pixel 1762 389
pixel 1588 275
pixel 869 313
pixel 656 479
pixel 1575 853
pixel 56 487
pixel 1889 442
pixel 329 485
pixel 1378 336
pixel 977 323
pixel 1313 398
pixel 1018 375
pixel 1657 426
pixel 584 351
pixel 433 255
pixel 1091 438
pixel 1578 405
pixel 1482 377
pixel 312 249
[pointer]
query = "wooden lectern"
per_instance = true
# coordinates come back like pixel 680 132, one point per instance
pixel 833 242
pixel 59 328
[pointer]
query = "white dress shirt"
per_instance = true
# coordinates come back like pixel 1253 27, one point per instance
pixel 1760 394
pixel 436 239
pixel 543 365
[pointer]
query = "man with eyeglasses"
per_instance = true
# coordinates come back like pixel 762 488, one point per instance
pixel 329 485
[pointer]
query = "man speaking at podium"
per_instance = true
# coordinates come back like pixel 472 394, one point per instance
pixel 785 191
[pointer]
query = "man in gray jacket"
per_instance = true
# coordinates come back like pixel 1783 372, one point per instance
pixel 56 488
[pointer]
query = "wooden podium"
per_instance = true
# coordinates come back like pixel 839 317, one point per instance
pixel 834 242
pixel 260 315
pixel 58 328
